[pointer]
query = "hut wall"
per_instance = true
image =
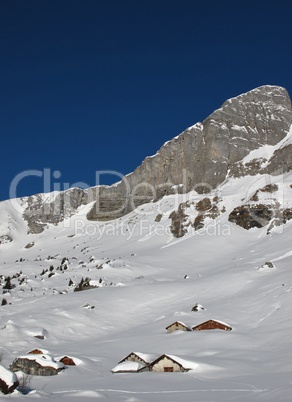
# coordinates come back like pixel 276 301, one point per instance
pixel 134 358
pixel 176 327
pixel 165 362
pixel 32 368
pixel 212 325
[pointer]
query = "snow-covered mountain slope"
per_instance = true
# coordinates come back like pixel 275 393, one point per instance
pixel 96 291
pixel 142 279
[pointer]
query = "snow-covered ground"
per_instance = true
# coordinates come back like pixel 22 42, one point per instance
pixel 145 280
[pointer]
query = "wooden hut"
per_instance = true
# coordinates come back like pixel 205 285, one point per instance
pixel 212 324
pixel 177 326
pixel 135 362
pixel 67 361
pixel 170 364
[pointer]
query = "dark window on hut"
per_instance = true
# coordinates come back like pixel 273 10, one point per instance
pixel 132 359
pixel 168 369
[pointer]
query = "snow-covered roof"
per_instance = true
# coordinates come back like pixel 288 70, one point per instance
pixel 7 376
pixel 128 366
pixel 43 360
pixel 221 322
pixel 187 364
pixel 146 357
pixel 212 320
pixel 178 322
pixel 33 351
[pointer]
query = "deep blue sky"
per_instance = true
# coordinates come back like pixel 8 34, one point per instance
pixel 88 85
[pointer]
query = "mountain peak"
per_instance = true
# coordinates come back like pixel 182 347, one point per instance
pixel 199 159
pixel 266 94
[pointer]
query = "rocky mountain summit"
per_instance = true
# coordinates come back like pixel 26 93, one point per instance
pixel 200 158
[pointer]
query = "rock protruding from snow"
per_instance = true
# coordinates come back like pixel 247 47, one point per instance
pixel 198 307
pixel 5 239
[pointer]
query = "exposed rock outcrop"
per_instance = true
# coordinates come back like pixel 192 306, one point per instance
pixel 251 216
pixel 178 219
pixel 5 239
pixel 44 209
pixel 202 155
pixel 259 215
pixel 206 208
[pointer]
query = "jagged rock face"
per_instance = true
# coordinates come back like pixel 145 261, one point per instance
pixel 200 158
pixel 202 155
pixel 39 211
pixel 280 162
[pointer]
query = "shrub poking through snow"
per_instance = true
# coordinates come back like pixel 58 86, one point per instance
pixel 4 302
pixel 24 383
pixel 84 284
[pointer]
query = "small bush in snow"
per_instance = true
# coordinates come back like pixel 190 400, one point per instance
pixel 84 284
pixel 24 383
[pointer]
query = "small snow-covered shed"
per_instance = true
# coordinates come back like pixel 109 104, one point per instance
pixel 171 363
pixel 36 364
pixel 38 352
pixel 177 326
pixel 67 361
pixel 212 324
pixel 8 381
